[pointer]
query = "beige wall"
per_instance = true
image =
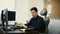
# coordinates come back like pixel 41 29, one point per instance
pixel 55 13
pixel 22 7
pixel 9 4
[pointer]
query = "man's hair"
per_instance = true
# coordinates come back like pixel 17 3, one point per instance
pixel 34 8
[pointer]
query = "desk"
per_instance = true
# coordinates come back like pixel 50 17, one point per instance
pixel 15 32
pixel 20 32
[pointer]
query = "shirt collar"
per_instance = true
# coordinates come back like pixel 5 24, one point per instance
pixel 36 17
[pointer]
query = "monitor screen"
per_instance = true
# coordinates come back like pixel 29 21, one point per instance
pixel 11 15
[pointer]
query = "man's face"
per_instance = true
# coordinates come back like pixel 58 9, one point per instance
pixel 33 13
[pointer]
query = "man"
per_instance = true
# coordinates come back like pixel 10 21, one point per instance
pixel 36 21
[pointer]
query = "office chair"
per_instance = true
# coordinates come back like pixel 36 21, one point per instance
pixel 46 19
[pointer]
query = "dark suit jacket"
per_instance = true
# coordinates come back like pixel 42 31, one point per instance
pixel 37 23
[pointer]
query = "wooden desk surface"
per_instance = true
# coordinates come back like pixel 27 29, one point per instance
pixel 15 31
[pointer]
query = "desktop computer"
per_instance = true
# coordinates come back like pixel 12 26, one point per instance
pixel 7 16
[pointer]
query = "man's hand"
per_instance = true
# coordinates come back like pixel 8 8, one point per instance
pixel 21 25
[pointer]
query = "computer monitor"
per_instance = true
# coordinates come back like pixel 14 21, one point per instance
pixel 11 15
pixel 7 16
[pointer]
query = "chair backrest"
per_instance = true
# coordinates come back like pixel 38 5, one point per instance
pixel 46 19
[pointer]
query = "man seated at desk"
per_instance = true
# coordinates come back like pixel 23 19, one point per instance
pixel 36 21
